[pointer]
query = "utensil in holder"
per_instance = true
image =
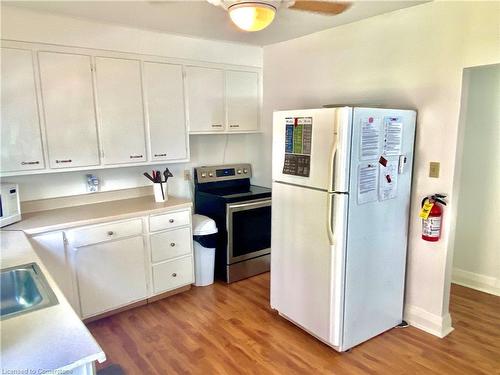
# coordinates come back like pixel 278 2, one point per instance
pixel 159 185
pixel 160 191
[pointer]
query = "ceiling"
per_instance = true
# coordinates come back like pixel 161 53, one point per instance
pixel 201 19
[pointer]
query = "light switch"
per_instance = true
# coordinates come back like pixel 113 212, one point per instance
pixel 434 169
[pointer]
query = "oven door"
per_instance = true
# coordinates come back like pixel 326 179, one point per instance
pixel 248 229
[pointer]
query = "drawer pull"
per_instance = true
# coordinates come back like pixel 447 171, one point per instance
pixel 110 233
pixel 172 244
pixel 158 155
pixel 63 161
pixel 171 221
pixel 135 156
pixel 174 275
pixel 234 126
pixel 216 125
pixel 29 162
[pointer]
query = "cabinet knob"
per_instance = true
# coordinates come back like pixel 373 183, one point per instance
pixel 171 221
pixel 172 244
pixel 174 275
pixel 110 233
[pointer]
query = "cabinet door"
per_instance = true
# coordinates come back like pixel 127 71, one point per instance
pixel 242 90
pixel 68 103
pixel 119 100
pixel 205 95
pixel 110 275
pixel 51 250
pixel 20 128
pixel 164 89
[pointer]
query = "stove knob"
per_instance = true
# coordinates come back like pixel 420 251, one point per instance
pixel 245 171
pixel 238 171
pixel 203 175
pixel 210 174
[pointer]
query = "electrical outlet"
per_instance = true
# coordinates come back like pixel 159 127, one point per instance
pixel 187 174
pixel 92 183
pixel 434 169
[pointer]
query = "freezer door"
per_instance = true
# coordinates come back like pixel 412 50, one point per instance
pixel 311 147
pixel 378 225
pixel 303 259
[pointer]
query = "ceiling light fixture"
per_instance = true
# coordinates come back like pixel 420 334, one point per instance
pixel 252 16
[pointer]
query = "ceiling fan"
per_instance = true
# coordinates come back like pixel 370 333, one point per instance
pixel 256 15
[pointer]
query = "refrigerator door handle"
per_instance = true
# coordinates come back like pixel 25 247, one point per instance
pixel 333 159
pixel 330 220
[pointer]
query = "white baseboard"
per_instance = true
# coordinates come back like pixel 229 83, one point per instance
pixel 436 325
pixel 476 281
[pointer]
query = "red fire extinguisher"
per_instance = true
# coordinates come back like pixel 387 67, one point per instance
pixel 432 215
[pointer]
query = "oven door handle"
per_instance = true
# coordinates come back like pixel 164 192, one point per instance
pixel 250 205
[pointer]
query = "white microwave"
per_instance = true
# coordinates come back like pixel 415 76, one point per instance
pixel 10 208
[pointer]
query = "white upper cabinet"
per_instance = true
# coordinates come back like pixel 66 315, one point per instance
pixel 164 95
pixel 20 128
pixel 68 104
pixel 222 100
pixel 242 91
pixel 120 110
pixel 205 93
pixel 71 108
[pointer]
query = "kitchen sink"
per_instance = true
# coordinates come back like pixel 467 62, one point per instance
pixel 24 289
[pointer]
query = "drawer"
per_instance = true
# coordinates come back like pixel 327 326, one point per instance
pixel 169 220
pixel 170 244
pixel 173 274
pixel 106 232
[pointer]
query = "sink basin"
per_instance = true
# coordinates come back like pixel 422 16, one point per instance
pixel 24 289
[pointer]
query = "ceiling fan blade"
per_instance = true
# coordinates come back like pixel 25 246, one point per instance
pixel 324 7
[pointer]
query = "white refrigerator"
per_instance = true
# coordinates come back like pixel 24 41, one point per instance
pixel 341 198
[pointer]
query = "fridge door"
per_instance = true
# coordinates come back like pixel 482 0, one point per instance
pixel 378 226
pixel 311 147
pixel 303 257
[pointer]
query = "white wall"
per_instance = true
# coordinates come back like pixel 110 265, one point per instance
pixel 32 26
pixel 25 25
pixel 411 58
pixel 477 240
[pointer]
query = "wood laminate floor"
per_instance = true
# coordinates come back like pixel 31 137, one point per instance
pixel 230 329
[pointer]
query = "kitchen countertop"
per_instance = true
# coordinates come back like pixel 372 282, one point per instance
pixel 68 217
pixel 46 339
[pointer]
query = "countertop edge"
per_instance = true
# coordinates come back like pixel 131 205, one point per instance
pixel 98 220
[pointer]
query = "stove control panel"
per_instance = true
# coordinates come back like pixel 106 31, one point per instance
pixel 223 172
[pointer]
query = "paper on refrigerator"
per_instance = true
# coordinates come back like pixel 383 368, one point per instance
pixel 370 138
pixel 367 182
pixel 393 136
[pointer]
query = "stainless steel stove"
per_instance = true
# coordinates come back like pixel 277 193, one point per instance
pixel 242 213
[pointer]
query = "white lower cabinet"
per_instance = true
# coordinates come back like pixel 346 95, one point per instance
pixel 103 267
pixel 172 274
pixel 110 275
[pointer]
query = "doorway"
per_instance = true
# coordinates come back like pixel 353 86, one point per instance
pixel 476 257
